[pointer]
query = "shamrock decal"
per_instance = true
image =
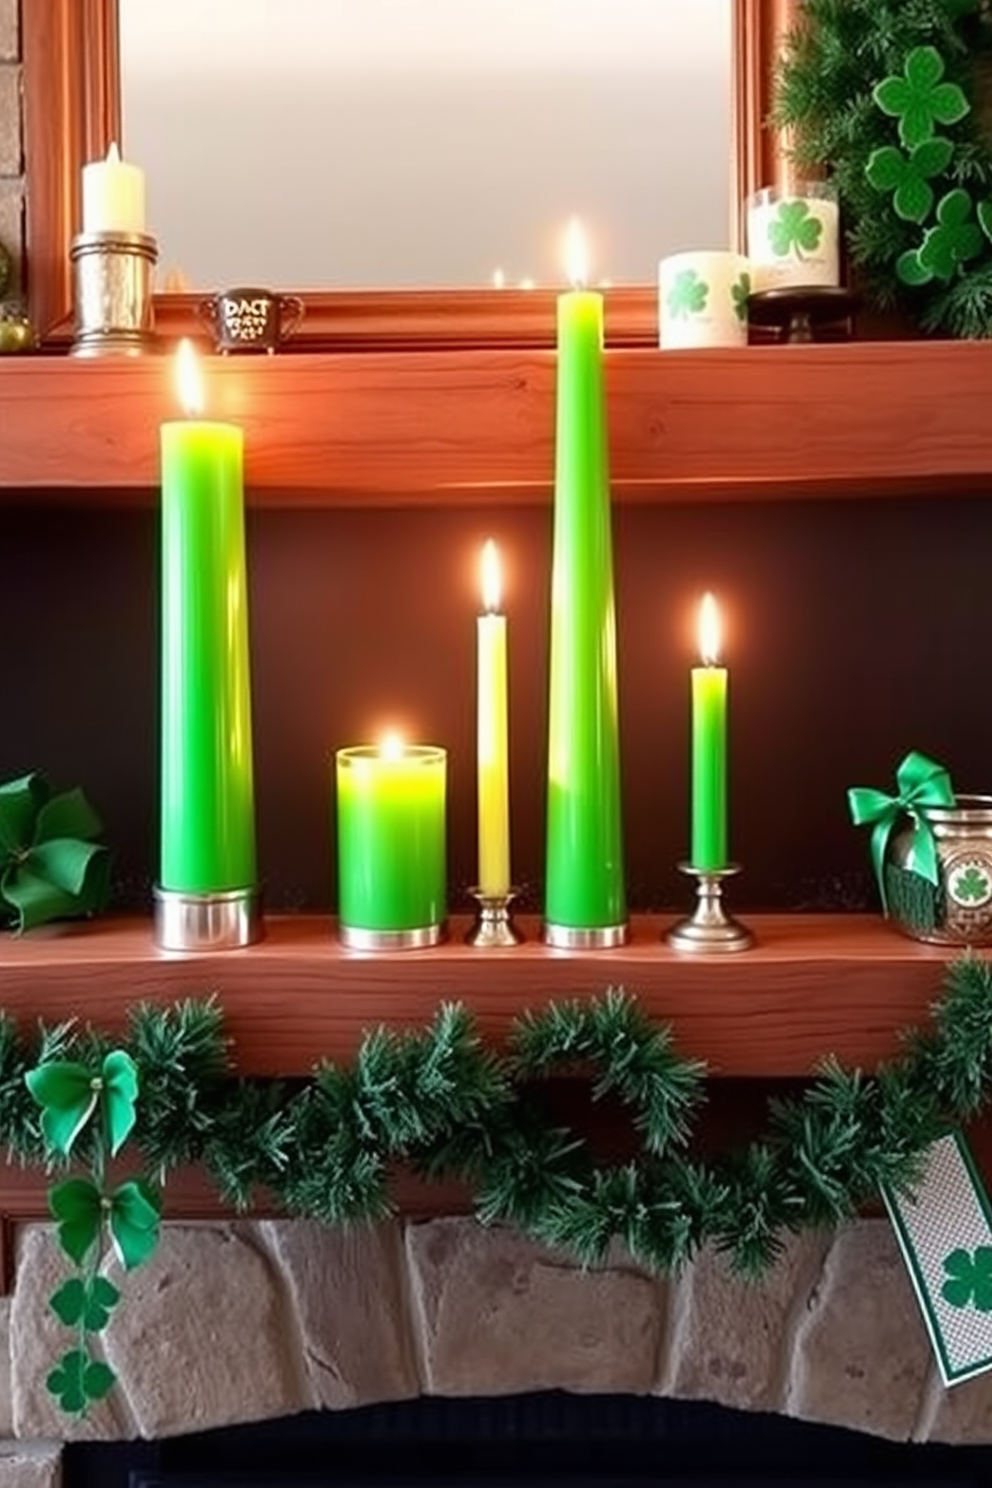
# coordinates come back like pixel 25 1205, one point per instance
pixel 918 99
pixel 739 294
pixel 132 1213
pixel 50 867
pixel 908 177
pixel 69 1093
pixel 88 1302
pixel 688 294
pixel 969 1278
pixel 794 229
pixel 945 247
pixel 77 1379
pixel 971 886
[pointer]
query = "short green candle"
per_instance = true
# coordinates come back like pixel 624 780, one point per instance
pixel 207 795
pixel 709 748
pixel 584 881
pixel 391 841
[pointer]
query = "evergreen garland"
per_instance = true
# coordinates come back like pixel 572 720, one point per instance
pixel 440 1102
pixel 915 192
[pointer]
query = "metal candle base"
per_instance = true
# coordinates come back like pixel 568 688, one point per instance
pixel 417 939
pixel 577 938
pixel 709 927
pixel 494 928
pixel 112 294
pixel 224 921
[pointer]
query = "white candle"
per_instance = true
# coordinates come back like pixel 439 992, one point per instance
pixel 493 762
pixel 113 195
pixel 702 299
pixel 793 237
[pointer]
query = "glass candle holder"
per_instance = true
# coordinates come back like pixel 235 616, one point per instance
pixel 391 846
pixel 793 236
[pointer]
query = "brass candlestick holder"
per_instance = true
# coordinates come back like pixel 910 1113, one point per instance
pixel 112 294
pixel 494 929
pixel 709 927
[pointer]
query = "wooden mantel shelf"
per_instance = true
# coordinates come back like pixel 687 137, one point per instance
pixel 857 419
pixel 813 984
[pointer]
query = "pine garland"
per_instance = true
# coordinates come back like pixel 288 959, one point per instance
pixel 827 96
pixel 440 1102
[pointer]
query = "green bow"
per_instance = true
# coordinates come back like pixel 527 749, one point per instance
pixel 921 782
pixel 50 866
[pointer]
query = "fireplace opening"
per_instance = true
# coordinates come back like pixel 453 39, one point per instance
pixel 543 1440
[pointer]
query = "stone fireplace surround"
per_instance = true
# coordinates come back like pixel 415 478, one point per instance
pixel 240 1321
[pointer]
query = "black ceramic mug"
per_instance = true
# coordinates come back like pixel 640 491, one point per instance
pixel 250 319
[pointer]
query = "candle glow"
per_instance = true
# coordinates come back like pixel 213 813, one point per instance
pixel 491 586
pixel 189 379
pixel 576 255
pixel 710 633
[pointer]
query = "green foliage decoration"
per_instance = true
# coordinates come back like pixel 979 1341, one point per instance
pixel 884 95
pixel 438 1101
pixel 50 865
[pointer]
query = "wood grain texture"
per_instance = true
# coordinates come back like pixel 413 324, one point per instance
pixel 813 985
pixel 781 422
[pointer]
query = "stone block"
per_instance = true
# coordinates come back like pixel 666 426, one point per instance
pixel 10 48
pixel 10 119
pixel 959 1415
pixel 30 1464
pixel 6 1401
pixel 12 222
pixel 348 1286
pixel 729 1335
pixel 500 1315
pixel 861 1356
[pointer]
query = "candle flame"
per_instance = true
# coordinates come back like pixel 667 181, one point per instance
pixel 576 255
pixel 391 747
pixel 709 630
pixel 188 379
pixel 113 154
pixel 499 279
pixel 491 587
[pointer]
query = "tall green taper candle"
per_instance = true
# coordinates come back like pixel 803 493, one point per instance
pixel 585 900
pixel 709 746
pixel 208 823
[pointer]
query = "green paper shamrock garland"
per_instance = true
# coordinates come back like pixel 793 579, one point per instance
pixel 884 95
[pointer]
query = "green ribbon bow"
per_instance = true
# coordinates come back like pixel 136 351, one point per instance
pixel 921 782
pixel 50 867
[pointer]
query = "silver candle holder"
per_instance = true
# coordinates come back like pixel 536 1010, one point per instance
pixel 494 928
pixel 226 920
pixel 709 928
pixel 112 293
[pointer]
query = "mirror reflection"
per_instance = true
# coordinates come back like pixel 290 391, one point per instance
pixel 432 143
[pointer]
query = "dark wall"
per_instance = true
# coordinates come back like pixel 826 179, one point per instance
pixel 855 631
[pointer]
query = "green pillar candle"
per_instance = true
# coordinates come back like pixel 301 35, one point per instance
pixel 208 824
pixel 391 844
pixel 585 901
pixel 709 748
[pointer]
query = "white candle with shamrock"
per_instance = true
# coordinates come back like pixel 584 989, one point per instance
pixel 793 237
pixel 702 300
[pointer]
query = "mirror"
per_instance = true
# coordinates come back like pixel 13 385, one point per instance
pixel 426 143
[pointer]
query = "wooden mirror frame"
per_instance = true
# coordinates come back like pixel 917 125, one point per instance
pixel 72 110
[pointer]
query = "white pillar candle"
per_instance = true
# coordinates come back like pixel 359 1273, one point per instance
pixel 793 237
pixel 113 195
pixel 702 300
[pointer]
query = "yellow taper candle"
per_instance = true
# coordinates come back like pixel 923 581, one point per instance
pixel 493 751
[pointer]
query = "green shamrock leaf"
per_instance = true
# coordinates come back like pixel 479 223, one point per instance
pixel 794 229
pixel 77 1379
pixel 969 1278
pixel 69 1093
pixel 88 1303
pixel 739 293
pixel 50 867
pixel 132 1212
pixel 918 99
pixel 984 213
pixel 688 294
pixel 888 169
pixel 971 884
pixel 954 239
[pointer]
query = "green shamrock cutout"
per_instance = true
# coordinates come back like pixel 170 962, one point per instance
pixel 794 229
pixel 50 867
pixel 970 1278
pixel 918 99
pixel 908 177
pixel 86 1303
pixel 739 293
pixel 132 1212
pixel 77 1379
pixel 69 1093
pixel 688 294
pixel 946 246
pixel 972 885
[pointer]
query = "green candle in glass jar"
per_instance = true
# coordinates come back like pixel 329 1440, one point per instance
pixel 207 794
pixel 391 845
